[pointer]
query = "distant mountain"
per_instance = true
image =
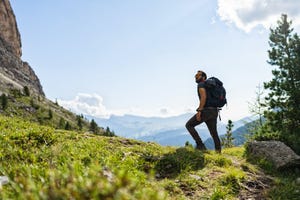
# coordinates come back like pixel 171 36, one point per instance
pixel 132 126
pixel 165 131
pixel 176 137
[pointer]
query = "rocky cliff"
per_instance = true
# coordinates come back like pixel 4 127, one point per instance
pixel 8 27
pixel 14 73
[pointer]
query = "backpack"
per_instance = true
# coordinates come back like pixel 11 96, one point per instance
pixel 216 93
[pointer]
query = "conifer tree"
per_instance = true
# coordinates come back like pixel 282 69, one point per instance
pixel 68 126
pixel 26 91
pixel 4 101
pixel 108 132
pixel 50 114
pixel 283 100
pixel 227 141
pixel 61 123
pixel 93 126
pixel 79 121
pixel 258 106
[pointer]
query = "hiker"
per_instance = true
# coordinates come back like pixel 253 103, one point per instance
pixel 205 114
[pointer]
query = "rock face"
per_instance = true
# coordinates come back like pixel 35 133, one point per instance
pixel 276 152
pixel 14 73
pixel 8 27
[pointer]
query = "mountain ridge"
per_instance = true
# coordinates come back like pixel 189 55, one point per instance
pixel 163 130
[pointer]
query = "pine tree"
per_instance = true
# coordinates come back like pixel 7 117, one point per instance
pixel 108 132
pixel 283 100
pixel 258 106
pixel 50 114
pixel 79 121
pixel 61 123
pixel 4 101
pixel 68 126
pixel 94 127
pixel 227 141
pixel 26 91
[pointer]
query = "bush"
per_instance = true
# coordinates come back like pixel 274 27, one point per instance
pixel 4 101
pixel 170 165
pixel 26 91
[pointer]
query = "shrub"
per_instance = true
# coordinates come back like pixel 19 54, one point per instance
pixel 26 91
pixel 4 101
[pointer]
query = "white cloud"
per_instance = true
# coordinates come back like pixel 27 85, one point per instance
pixel 87 104
pixel 92 104
pixel 249 14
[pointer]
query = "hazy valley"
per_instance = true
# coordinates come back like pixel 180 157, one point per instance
pixel 165 131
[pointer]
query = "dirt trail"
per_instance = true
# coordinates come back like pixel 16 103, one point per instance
pixel 254 188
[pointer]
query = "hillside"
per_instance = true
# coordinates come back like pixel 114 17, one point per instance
pixel 45 163
pixel 21 92
pixel 35 108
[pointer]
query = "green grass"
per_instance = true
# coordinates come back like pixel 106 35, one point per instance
pixel 284 180
pixel 42 162
pixel 37 109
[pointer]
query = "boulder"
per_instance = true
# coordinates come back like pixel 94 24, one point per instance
pixel 276 152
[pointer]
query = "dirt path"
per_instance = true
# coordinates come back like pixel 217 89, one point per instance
pixel 254 188
pixel 257 184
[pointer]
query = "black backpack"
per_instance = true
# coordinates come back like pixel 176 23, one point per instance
pixel 216 93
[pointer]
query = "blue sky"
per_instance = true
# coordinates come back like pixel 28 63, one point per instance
pixel 139 57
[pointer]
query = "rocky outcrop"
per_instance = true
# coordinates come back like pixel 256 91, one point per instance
pixel 13 71
pixel 275 152
pixel 8 28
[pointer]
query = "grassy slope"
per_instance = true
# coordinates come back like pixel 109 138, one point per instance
pixel 36 109
pixel 45 163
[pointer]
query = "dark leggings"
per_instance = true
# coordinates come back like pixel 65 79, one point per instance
pixel 209 116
